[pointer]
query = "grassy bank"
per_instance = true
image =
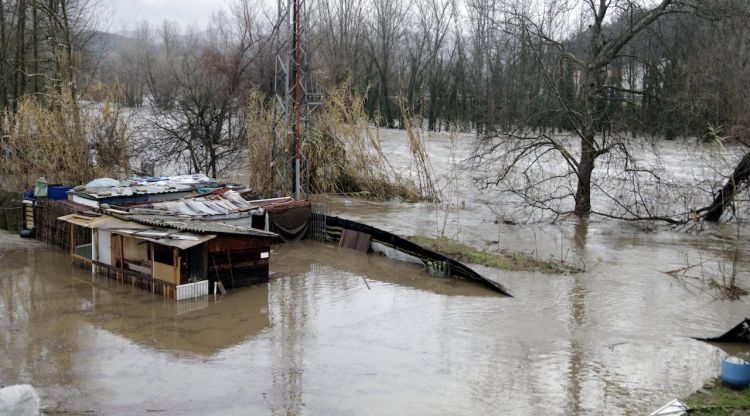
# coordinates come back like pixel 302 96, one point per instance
pixel 717 398
pixel 504 260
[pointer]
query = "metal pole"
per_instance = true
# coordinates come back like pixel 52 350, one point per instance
pixel 297 97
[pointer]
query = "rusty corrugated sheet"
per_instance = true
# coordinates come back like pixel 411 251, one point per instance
pixel 355 240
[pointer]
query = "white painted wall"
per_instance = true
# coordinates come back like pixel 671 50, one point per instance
pixel 104 247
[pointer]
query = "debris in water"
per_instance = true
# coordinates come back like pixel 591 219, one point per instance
pixel 19 400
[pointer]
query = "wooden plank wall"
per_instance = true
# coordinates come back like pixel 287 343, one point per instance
pixel 236 261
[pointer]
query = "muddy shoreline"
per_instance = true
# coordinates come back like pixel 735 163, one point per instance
pixel 12 241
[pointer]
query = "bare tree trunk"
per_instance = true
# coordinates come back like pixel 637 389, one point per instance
pixel 726 194
pixel 53 42
pixel 3 57
pixel 19 83
pixel 593 85
pixel 70 66
pixel 35 45
pixel 385 105
pixel 585 169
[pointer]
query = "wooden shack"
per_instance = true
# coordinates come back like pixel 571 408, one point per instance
pixel 175 262
pixel 238 261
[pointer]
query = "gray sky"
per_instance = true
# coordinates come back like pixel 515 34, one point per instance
pixel 122 15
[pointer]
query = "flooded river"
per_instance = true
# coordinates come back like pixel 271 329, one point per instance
pixel 336 332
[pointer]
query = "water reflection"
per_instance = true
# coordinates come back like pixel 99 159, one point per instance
pixel 318 340
pixel 372 270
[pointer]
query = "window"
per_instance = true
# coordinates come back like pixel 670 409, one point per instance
pixel 163 254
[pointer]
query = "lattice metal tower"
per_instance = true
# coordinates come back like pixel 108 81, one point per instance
pixel 293 97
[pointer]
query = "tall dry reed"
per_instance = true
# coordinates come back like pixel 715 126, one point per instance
pixel 43 137
pixel 345 154
pixel 421 164
pixel 259 114
pixel 342 151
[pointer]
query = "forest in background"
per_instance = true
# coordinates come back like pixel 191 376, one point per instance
pixel 456 62
pixel 105 103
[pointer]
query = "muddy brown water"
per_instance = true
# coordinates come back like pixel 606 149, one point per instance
pixel 336 332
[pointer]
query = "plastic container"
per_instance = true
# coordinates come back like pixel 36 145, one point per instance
pixel 40 189
pixel 58 192
pixel 735 372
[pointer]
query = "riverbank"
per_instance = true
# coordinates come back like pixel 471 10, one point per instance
pixel 718 399
pixel 12 241
pixel 503 260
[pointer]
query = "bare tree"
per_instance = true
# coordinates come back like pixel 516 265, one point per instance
pixel 521 151
pixel 433 21
pixel 386 26
pixel 340 28
pixel 196 88
pixel 3 57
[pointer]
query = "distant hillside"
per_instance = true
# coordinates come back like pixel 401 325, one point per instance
pixel 101 43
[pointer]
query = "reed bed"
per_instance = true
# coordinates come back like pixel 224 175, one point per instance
pixel 260 120
pixel 421 164
pixel 49 136
pixel 342 149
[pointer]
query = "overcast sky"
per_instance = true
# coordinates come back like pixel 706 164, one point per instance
pixel 125 15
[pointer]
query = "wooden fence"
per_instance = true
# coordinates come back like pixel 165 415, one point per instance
pixel 50 230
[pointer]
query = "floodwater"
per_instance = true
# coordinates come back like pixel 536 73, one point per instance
pixel 336 332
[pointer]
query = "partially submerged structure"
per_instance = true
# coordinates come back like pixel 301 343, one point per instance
pixel 183 236
pixel 363 237
pixel 740 333
pixel 176 253
pixel 178 259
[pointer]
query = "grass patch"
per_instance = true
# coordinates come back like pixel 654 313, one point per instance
pixel 504 260
pixel 719 399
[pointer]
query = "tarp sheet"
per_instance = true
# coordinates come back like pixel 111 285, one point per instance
pixel 19 400
pixel 291 224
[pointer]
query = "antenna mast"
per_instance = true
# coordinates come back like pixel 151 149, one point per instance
pixel 293 103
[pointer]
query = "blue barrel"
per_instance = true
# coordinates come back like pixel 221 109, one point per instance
pixel 58 192
pixel 735 372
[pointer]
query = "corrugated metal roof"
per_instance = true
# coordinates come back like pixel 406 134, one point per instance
pixel 103 221
pixel 80 220
pixel 229 202
pixel 187 224
pixel 166 237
